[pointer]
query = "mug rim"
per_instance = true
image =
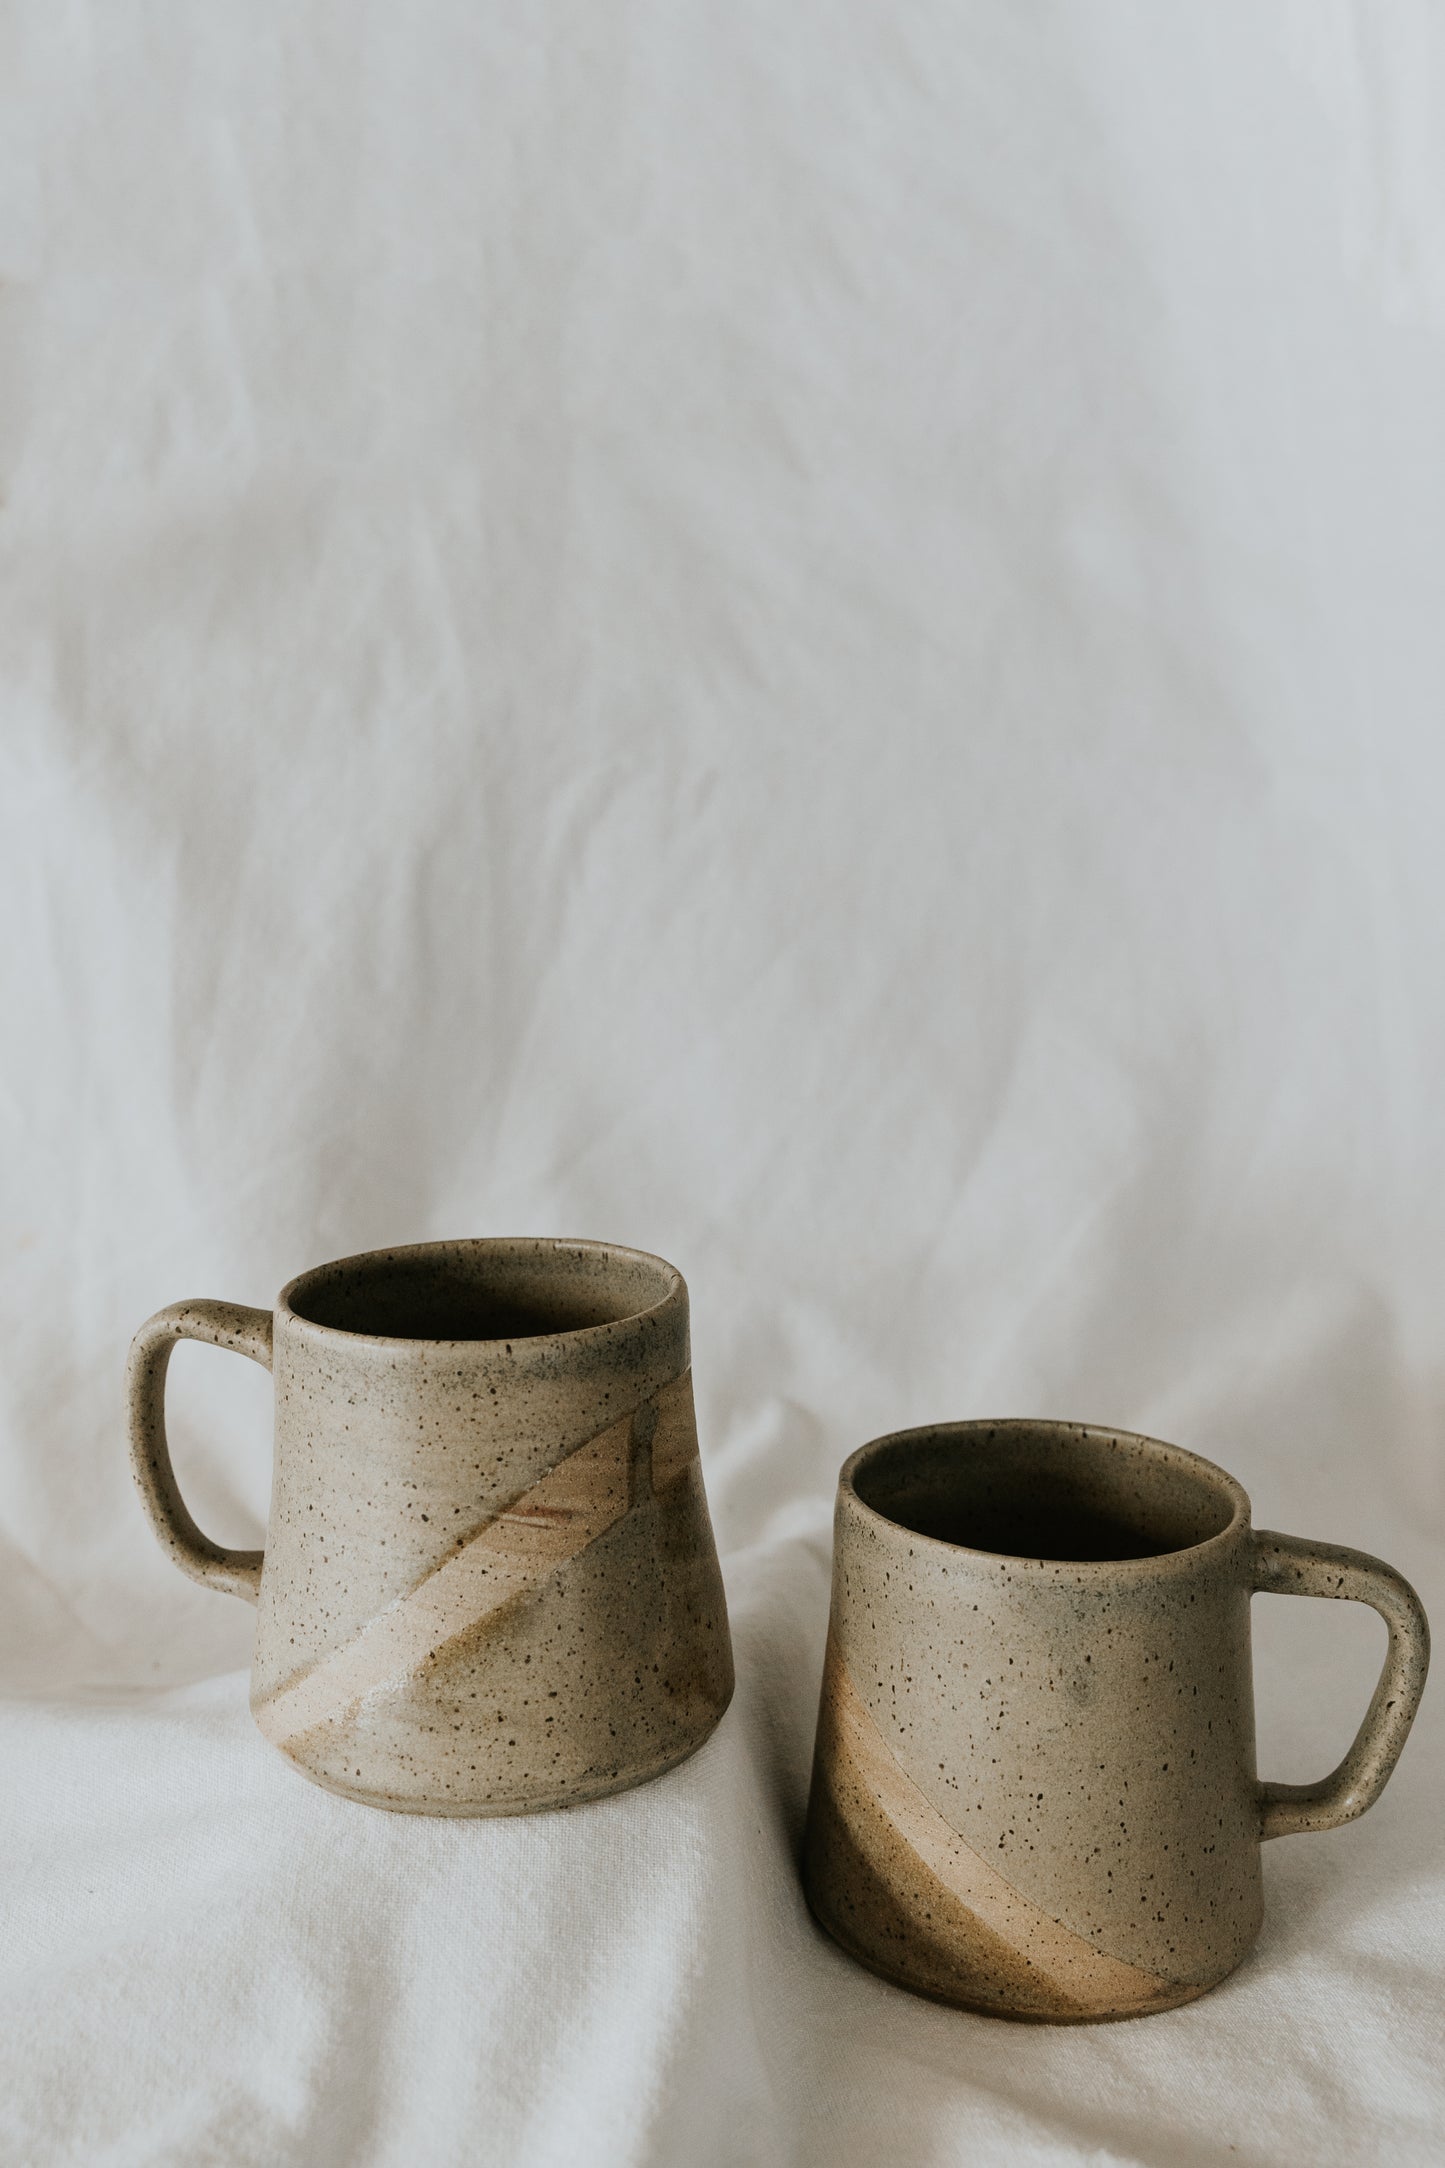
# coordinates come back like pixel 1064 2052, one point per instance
pixel 1159 1451
pixel 415 1252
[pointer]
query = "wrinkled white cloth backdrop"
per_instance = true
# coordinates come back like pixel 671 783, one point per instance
pixel 807 638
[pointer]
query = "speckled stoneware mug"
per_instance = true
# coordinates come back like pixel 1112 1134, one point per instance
pixel 1034 1792
pixel 489 1582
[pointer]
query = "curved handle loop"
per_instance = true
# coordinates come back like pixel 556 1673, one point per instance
pixel 1289 1566
pixel 220 1324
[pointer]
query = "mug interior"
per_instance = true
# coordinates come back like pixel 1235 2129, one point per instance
pixel 482 1290
pixel 1057 1491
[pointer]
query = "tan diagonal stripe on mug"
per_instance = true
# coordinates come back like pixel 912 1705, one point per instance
pixel 572 1505
pixel 1059 1956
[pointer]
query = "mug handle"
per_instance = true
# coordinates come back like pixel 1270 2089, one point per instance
pixel 219 1324
pixel 1290 1566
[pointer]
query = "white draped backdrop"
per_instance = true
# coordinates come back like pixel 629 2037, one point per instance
pixel 810 638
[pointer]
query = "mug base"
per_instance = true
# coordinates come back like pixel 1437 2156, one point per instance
pixel 1172 1999
pixel 605 1787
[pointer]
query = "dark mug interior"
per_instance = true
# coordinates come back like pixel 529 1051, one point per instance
pixel 1050 1491
pixel 482 1290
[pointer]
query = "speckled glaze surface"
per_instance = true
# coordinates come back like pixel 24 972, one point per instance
pixel 489 1582
pixel 1034 1790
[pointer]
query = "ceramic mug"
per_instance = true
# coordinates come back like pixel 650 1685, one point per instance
pixel 1034 1790
pixel 489 1582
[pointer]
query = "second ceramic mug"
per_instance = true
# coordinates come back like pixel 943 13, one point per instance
pixel 1034 1791
pixel 489 1582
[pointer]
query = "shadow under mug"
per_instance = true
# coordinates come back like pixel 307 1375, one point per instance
pixel 489 1582
pixel 1034 1789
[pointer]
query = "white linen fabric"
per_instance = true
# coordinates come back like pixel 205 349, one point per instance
pixel 807 637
